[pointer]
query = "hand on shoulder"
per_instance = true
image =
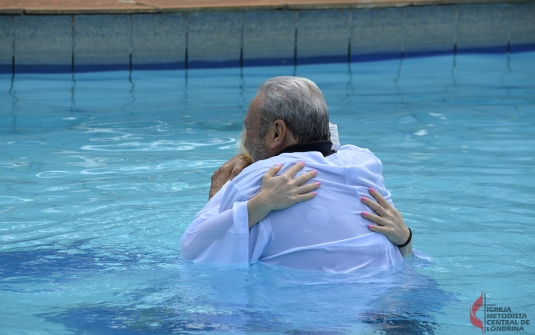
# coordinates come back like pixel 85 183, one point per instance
pixel 388 222
pixel 280 192
pixel 228 171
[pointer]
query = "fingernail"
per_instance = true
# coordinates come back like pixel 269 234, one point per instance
pixel 315 172
pixel 318 183
pixel 302 163
pixel 314 193
pixel 279 165
pixel 365 213
pixel 363 198
pixel 372 190
pixel 370 226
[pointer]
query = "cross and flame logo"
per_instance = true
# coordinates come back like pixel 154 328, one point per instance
pixel 475 307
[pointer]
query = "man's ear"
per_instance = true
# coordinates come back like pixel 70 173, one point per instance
pixel 277 135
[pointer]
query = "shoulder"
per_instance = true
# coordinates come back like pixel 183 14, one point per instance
pixel 349 148
pixel 251 176
pixel 351 155
pixel 360 165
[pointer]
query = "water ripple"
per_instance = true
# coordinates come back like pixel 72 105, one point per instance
pixel 163 145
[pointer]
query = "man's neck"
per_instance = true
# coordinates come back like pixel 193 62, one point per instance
pixel 324 147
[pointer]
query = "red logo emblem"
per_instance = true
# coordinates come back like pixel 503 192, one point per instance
pixel 475 307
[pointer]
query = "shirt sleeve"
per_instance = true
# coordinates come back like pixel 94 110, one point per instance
pixel 223 236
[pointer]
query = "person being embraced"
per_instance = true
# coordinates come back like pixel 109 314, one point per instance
pixel 301 203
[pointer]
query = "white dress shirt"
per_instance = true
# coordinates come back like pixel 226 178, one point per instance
pixel 326 233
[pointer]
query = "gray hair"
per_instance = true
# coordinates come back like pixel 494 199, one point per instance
pixel 299 103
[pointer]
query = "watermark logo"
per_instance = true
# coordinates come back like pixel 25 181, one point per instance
pixel 476 322
pixel 497 319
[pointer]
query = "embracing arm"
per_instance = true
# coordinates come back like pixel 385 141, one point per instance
pixel 280 192
pixel 389 222
pixel 223 237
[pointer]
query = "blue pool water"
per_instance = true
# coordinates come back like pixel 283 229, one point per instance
pixel 100 173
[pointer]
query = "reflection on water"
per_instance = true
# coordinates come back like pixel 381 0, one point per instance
pixel 101 173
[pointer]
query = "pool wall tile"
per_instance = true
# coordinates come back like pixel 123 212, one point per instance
pixel 269 37
pixel 376 34
pixel 101 42
pixel 322 35
pixel 429 29
pixel 483 27
pixel 522 26
pixel 43 43
pixel 158 41
pixel 6 44
pixel 214 38
pixel 223 38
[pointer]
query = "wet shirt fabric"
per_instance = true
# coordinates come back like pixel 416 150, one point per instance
pixel 326 233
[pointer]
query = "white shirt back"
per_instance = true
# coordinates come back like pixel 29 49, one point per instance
pixel 326 233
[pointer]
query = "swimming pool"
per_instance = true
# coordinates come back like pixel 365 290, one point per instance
pixel 102 172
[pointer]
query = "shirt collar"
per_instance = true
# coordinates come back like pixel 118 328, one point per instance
pixel 325 147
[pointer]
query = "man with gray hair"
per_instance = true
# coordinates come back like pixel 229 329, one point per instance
pixel 270 212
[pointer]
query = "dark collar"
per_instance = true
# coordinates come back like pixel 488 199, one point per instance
pixel 325 147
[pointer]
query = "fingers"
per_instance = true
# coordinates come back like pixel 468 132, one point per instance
pixel 303 178
pixel 273 171
pixel 219 178
pixel 373 218
pixel 308 187
pixel 221 175
pixel 241 163
pixel 223 172
pixel 377 229
pixel 373 205
pixel 298 182
pixel 236 171
pixel 305 197
pixel 379 198
pixel 292 171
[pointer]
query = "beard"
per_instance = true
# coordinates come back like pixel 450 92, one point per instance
pixel 259 150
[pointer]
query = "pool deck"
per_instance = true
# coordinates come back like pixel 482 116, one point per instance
pixel 101 35
pixel 33 7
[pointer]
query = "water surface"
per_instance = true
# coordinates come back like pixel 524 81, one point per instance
pixel 100 173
